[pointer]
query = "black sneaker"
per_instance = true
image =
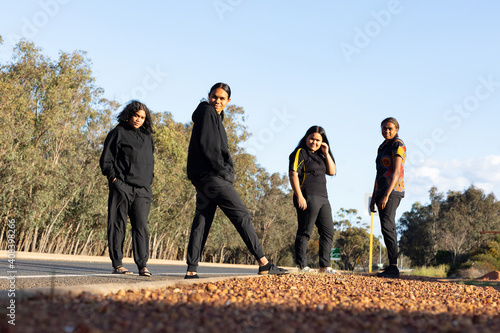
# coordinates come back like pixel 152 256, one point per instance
pixel 272 270
pixel 390 272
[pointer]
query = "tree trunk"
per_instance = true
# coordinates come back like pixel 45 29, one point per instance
pixel 35 236
pixel 61 246
pixel 222 254
pixel 76 247
pixel 87 243
pixel 3 232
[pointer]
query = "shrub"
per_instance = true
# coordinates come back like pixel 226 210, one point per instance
pixel 431 271
pixel 469 273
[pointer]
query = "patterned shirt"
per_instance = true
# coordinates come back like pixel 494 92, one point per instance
pixel 385 168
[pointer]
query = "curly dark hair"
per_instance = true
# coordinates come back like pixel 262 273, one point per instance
pixel 131 109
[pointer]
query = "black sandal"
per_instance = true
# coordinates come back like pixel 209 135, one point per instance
pixel 121 270
pixel 145 272
pixel 195 276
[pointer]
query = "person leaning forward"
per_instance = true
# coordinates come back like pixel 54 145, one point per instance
pixel 210 169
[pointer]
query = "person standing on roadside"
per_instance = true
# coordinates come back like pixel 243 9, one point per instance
pixel 309 164
pixel 127 160
pixel 210 169
pixel 389 189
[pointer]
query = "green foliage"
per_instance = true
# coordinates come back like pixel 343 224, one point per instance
pixel 447 230
pixel 417 240
pixel 488 255
pixel 354 241
pixel 439 271
pixel 55 123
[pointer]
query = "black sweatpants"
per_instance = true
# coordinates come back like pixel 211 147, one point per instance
pixel 319 213
pixel 388 226
pixel 125 200
pixel 210 193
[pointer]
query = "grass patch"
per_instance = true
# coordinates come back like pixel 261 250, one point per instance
pixel 431 271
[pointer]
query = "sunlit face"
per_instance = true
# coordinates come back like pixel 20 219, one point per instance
pixel 389 130
pixel 137 119
pixel 218 99
pixel 313 141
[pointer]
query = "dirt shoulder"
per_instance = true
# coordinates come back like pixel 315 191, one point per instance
pixel 293 303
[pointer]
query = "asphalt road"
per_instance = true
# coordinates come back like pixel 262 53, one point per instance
pixel 35 271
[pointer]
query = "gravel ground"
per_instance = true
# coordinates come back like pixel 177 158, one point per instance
pixel 23 283
pixel 293 303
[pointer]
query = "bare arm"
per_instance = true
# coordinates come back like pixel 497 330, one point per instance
pixel 331 168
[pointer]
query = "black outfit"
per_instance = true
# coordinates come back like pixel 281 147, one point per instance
pixel 388 226
pixel 311 169
pixel 385 170
pixel 210 169
pixel 128 157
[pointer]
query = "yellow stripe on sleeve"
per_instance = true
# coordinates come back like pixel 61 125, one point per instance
pixel 400 152
pixel 296 160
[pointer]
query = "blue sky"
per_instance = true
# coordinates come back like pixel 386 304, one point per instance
pixel 344 65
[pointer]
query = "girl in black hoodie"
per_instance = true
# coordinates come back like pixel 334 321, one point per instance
pixel 210 169
pixel 127 161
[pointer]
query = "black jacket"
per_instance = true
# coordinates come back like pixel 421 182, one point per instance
pixel 128 156
pixel 208 152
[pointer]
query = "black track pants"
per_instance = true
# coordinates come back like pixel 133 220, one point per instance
pixel 319 213
pixel 210 193
pixel 388 226
pixel 125 200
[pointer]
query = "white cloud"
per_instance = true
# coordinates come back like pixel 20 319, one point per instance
pixel 455 175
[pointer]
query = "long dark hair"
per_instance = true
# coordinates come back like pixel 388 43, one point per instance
pixel 131 109
pixel 321 131
pixel 223 86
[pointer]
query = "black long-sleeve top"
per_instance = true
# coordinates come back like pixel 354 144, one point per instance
pixel 128 156
pixel 208 152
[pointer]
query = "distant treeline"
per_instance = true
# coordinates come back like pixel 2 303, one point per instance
pixel 448 231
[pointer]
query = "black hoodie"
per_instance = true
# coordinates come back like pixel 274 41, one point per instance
pixel 128 155
pixel 208 152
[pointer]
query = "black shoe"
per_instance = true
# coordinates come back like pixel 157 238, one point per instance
pixel 390 272
pixel 272 270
